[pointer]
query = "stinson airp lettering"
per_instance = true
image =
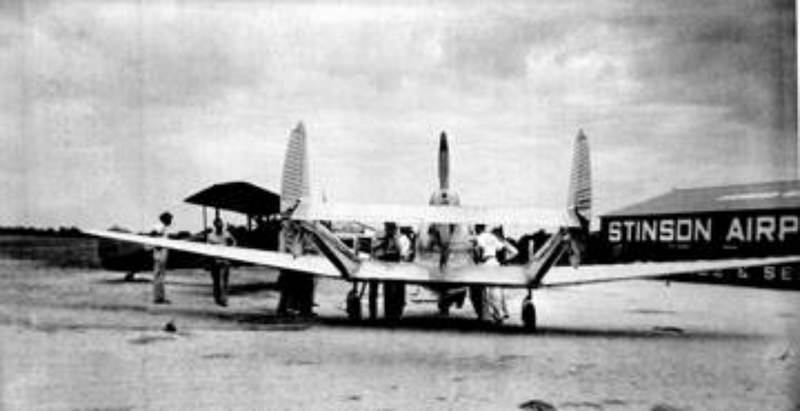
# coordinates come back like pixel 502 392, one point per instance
pixel 743 229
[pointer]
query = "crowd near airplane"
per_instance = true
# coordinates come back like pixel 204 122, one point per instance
pixel 443 259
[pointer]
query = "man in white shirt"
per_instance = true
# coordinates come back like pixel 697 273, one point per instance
pixel 410 243
pixel 220 267
pixel 160 259
pixel 404 244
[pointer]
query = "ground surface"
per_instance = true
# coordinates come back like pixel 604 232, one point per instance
pixel 81 339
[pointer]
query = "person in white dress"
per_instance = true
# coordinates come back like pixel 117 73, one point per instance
pixel 488 246
pixel 160 259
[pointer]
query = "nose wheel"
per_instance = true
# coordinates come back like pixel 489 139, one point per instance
pixel 529 313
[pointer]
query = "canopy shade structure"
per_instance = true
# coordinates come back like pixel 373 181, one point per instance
pixel 238 196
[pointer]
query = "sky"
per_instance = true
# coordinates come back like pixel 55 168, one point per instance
pixel 113 111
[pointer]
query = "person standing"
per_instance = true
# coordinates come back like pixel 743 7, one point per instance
pixel 389 246
pixel 412 242
pixel 405 244
pixel 489 246
pixel 297 287
pixel 220 267
pixel 160 255
pixel 392 247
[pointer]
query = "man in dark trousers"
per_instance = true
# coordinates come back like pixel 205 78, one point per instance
pixel 392 247
pixel 220 267
pixel 297 288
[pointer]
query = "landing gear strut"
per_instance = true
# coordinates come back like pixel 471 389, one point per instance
pixel 529 313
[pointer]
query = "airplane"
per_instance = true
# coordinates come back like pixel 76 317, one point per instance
pixel 443 260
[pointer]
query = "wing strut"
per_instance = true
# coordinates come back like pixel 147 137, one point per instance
pixel 344 259
pixel 546 257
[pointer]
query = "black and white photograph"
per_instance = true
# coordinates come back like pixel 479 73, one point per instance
pixel 418 205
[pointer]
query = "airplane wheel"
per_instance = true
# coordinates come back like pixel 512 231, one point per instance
pixel 528 314
pixel 353 305
pixel 394 299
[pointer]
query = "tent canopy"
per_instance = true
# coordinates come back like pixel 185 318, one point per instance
pixel 238 196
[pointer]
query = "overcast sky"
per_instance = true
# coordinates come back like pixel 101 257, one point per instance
pixel 112 112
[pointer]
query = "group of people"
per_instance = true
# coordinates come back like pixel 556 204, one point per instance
pixel 490 248
pixel 219 267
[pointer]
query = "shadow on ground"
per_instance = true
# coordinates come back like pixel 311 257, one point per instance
pixel 471 325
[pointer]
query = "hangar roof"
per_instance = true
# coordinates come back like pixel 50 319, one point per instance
pixel 757 196
pixel 238 196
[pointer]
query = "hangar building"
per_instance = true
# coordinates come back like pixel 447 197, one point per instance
pixel 735 221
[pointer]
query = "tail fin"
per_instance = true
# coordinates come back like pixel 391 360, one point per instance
pixel 579 200
pixel 573 238
pixel 444 163
pixel 294 183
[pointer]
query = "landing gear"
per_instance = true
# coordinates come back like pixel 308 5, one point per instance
pixel 394 300
pixel 449 297
pixel 528 313
pixel 354 304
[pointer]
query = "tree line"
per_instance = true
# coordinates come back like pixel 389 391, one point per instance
pixel 40 231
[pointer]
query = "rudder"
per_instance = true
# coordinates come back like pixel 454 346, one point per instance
pixel 295 182
pixel 579 197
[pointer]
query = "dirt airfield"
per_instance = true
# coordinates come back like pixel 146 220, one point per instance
pixel 82 339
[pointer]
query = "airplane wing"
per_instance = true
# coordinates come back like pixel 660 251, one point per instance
pixel 559 276
pixel 503 276
pixel 562 276
pixel 317 265
pixel 311 264
pixel 414 214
